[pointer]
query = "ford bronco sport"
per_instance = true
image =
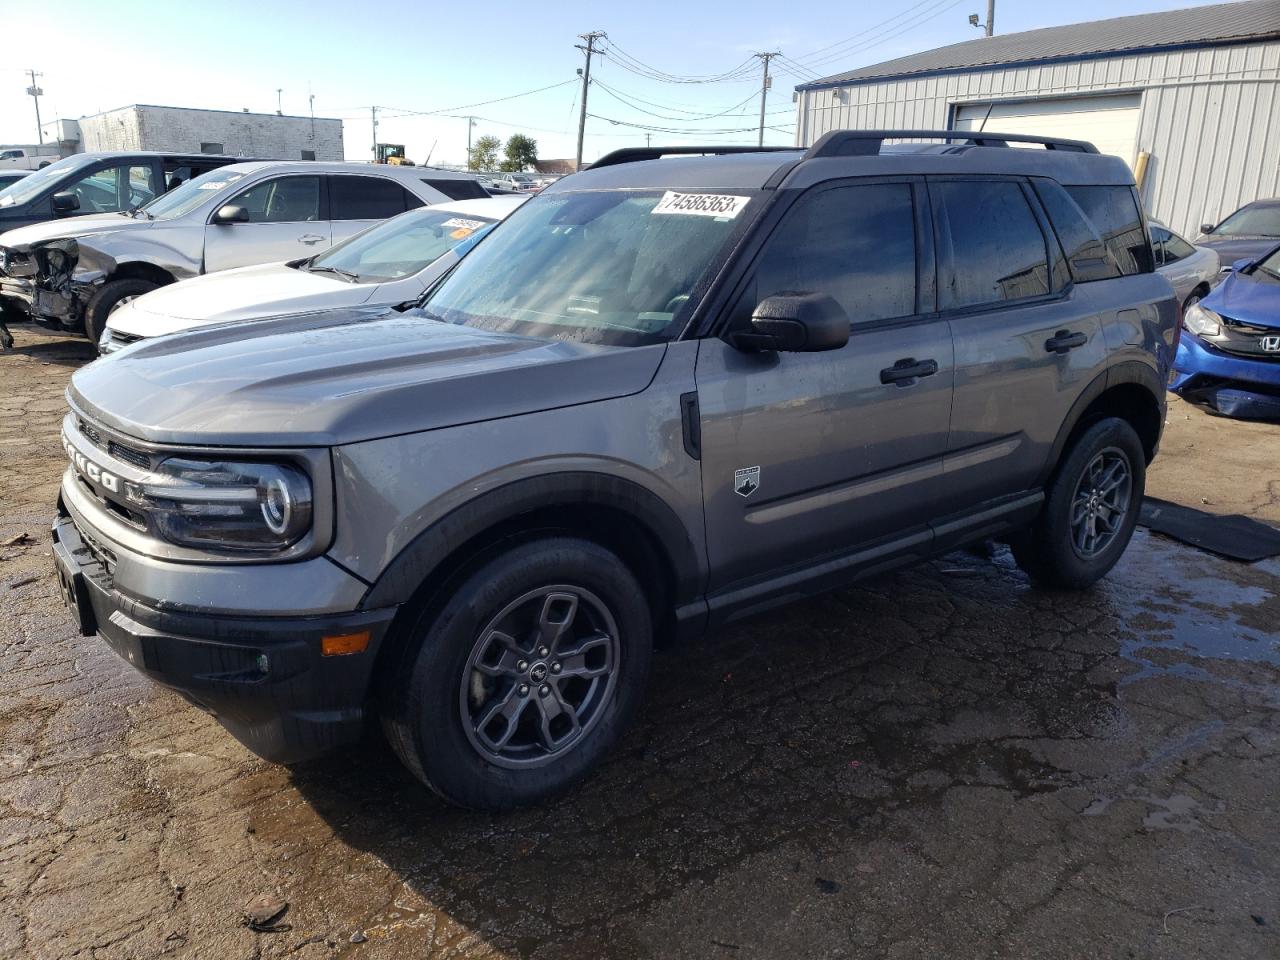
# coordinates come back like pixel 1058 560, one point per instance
pixel 668 392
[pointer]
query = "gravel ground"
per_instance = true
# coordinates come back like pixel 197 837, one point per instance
pixel 945 762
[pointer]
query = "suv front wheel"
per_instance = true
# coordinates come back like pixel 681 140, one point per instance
pixel 524 676
pixel 1090 509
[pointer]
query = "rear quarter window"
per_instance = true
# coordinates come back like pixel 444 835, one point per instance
pixel 1088 256
pixel 459 189
pixel 1114 213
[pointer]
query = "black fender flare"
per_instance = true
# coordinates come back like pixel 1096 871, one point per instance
pixel 425 554
pixel 1127 371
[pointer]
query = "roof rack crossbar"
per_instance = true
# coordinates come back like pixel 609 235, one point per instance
pixel 636 154
pixel 867 143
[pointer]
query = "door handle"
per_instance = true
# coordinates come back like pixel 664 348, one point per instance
pixel 908 370
pixel 310 238
pixel 1065 340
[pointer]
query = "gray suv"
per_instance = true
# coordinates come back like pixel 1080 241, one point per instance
pixel 668 392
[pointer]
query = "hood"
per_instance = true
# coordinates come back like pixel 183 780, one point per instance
pixel 94 223
pixel 327 380
pixel 1244 298
pixel 248 293
pixel 1231 249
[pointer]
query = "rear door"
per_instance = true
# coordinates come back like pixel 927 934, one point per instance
pixel 812 455
pixel 287 220
pixel 1026 345
pixel 358 202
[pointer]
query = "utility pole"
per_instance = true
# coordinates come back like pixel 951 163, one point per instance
pixel 589 49
pixel 990 26
pixel 373 114
pixel 765 82
pixel 35 93
pixel 647 138
pixel 471 123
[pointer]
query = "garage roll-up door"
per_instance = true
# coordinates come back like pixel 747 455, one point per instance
pixel 1110 123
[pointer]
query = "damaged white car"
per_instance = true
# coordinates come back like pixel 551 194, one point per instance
pixel 391 263
pixel 69 275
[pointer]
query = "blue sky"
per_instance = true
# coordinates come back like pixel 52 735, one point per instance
pixel 427 57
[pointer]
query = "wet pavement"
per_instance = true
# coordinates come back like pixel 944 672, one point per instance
pixel 944 762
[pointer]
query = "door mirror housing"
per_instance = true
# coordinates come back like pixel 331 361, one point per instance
pixel 1240 266
pixel 65 203
pixel 231 214
pixel 1207 228
pixel 795 323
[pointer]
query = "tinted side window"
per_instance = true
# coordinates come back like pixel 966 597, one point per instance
pixel 1087 256
pixel 282 200
pixel 1114 212
pixel 364 198
pixel 998 251
pixel 458 189
pixel 856 244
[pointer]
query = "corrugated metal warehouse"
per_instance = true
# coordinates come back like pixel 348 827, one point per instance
pixel 1195 90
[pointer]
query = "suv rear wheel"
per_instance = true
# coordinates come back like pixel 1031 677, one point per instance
pixel 521 680
pixel 1090 509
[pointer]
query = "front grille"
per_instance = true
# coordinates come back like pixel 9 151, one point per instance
pixel 117 340
pixel 1242 339
pixel 121 451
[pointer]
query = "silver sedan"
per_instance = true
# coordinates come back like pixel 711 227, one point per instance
pixel 1192 270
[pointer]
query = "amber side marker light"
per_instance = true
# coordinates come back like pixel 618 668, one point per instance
pixel 344 643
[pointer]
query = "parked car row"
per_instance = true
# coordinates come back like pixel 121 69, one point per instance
pixel 661 394
pixel 391 263
pixel 69 275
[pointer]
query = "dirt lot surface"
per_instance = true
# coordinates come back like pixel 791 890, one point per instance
pixel 940 763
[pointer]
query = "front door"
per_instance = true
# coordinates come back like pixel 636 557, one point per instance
pixel 286 222
pixel 808 457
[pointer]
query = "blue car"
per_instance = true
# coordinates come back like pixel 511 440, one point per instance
pixel 1229 355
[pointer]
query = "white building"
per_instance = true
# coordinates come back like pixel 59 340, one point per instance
pixel 182 130
pixel 1188 98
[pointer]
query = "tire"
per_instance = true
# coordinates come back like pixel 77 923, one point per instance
pixel 1051 550
pixel 109 296
pixel 450 676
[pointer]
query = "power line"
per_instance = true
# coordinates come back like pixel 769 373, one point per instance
pixel 638 66
pixel 876 39
pixel 625 100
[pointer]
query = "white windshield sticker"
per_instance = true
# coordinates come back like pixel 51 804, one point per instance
pixel 723 206
pixel 464 224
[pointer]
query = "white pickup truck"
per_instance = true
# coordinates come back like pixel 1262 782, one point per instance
pixel 22 158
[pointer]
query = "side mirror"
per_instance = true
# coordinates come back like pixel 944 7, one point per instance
pixel 1240 266
pixel 65 203
pixel 796 323
pixel 231 214
pixel 1206 228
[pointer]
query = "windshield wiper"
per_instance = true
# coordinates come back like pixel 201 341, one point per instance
pixel 345 274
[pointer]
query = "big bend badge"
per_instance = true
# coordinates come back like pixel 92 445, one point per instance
pixel 746 481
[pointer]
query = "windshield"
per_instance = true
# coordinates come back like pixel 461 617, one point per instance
pixel 182 200
pixel 400 246
pixel 608 267
pixel 1270 265
pixel 30 186
pixel 1256 221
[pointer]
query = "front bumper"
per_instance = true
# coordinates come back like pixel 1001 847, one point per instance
pixel 16 293
pixel 264 678
pixel 1235 386
pixel 1197 360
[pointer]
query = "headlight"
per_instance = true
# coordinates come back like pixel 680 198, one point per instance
pixel 1202 321
pixel 227 505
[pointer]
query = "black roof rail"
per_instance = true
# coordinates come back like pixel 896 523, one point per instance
pixel 867 143
pixel 635 154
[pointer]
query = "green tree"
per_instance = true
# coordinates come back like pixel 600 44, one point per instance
pixel 522 153
pixel 484 153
